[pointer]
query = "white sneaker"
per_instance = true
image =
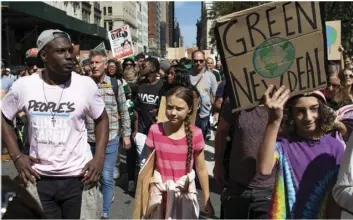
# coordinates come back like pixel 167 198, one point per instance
pixel 116 173
pixel 131 186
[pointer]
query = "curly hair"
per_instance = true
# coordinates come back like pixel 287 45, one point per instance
pixel 327 118
pixel 118 71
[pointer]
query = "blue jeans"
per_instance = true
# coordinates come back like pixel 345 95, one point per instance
pixel 203 124
pixel 107 180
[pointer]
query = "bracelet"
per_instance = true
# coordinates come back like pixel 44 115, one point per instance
pixel 18 156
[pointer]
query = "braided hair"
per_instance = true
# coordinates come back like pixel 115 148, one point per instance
pixel 185 94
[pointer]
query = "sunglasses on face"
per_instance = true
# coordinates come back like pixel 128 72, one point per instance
pixel 350 76
pixel 128 64
pixel 199 61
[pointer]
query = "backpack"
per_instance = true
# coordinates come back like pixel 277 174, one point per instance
pixel 115 85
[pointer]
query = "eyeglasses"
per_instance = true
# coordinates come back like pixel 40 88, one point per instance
pixel 128 64
pixel 199 61
pixel 350 76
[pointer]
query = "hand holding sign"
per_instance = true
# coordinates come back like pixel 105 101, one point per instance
pixel 275 103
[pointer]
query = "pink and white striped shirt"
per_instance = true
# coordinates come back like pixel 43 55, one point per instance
pixel 171 154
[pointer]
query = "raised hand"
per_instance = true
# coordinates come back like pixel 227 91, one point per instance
pixel 275 103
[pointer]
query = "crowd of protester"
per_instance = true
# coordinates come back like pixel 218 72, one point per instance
pixel 66 122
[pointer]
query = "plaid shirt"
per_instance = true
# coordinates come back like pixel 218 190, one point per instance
pixel 113 108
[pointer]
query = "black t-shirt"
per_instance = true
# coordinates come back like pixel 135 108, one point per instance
pixel 147 99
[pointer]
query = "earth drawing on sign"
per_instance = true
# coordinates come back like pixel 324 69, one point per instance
pixel 331 37
pixel 273 57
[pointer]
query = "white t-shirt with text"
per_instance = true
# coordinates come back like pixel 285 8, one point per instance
pixel 60 145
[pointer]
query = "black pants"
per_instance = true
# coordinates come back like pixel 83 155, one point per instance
pixel 248 204
pixel 131 160
pixel 61 197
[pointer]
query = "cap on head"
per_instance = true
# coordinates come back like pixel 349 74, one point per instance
pixel 48 35
pixel 8 70
pixel 45 37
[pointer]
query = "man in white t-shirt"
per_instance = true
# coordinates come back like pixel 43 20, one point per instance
pixel 56 101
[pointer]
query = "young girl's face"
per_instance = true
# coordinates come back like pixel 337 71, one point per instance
pixel 171 75
pixel 306 114
pixel 176 110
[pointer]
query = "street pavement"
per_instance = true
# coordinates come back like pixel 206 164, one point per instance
pixel 123 204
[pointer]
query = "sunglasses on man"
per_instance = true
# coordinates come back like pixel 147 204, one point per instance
pixel 199 61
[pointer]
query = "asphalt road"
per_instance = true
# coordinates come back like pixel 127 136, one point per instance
pixel 123 204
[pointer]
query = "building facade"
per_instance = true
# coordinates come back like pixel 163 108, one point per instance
pixel 171 15
pixel 206 24
pixel 154 19
pixel 142 27
pixel 119 14
pixel 176 33
pixel 164 28
pixel 22 23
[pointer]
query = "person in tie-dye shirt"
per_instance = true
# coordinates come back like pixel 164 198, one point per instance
pixel 305 158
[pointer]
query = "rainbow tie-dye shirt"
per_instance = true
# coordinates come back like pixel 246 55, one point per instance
pixel 306 172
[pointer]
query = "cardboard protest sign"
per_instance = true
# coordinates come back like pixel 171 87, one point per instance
pixel 333 39
pixel 280 43
pixel 121 42
pixel 84 54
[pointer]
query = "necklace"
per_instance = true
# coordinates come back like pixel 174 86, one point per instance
pixel 53 114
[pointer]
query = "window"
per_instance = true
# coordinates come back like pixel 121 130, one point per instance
pixel 110 11
pixel 105 25
pixel 97 20
pixel 104 11
pixel 110 25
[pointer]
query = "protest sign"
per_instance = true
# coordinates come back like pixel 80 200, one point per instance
pixel 333 39
pixel 280 43
pixel 121 43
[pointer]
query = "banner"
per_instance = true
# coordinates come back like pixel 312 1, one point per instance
pixel 100 46
pixel 280 43
pixel 121 43
pixel 333 39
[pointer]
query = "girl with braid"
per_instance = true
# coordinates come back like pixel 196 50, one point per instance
pixel 178 146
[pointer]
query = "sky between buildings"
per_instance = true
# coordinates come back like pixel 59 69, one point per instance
pixel 187 14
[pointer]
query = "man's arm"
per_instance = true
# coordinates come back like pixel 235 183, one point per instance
pixel 221 141
pixel 9 137
pixel 102 134
pixel 214 86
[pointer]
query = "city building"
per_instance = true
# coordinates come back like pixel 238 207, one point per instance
pixel 119 14
pixel 22 22
pixel 176 33
pixel 142 27
pixel 206 24
pixel 171 15
pixel 154 18
pixel 198 33
pixel 204 27
pixel 164 28
pixel 181 41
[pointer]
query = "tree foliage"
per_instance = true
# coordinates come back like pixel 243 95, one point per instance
pixel 332 11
